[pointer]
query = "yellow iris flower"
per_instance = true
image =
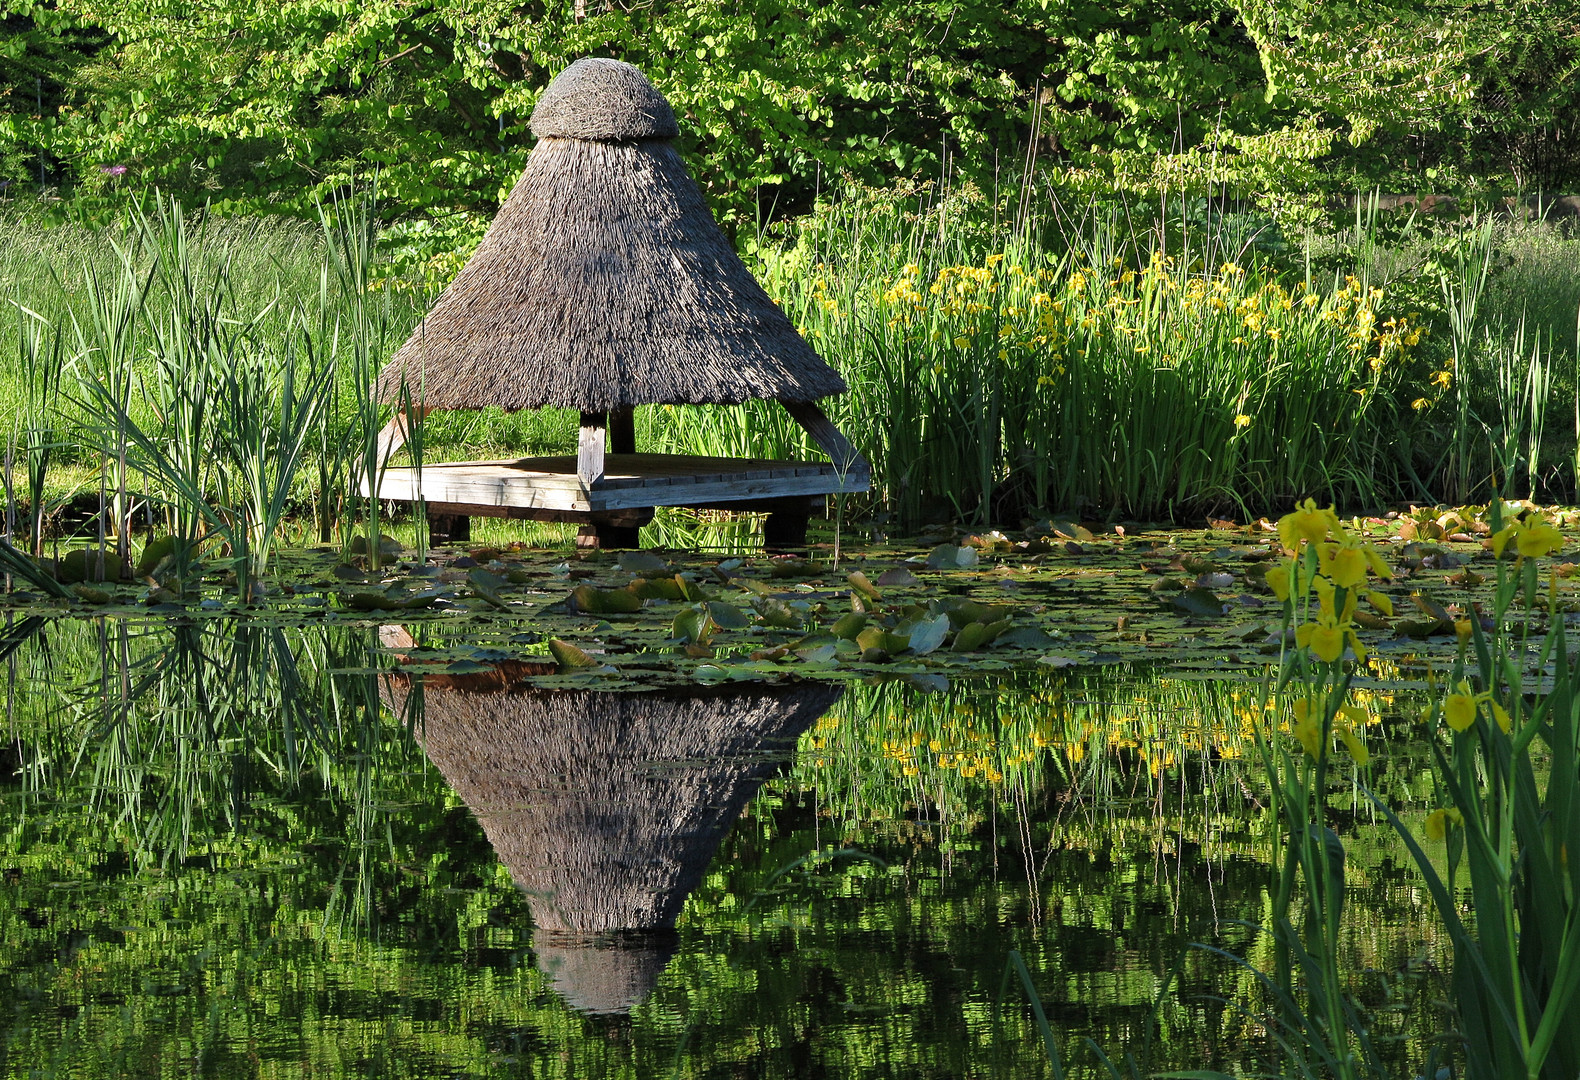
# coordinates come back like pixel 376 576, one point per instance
pixel 1306 522
pixel 1533 538
pixel 1345 559
pixel 1459 708
pixel 1327 636
pixel 1281 579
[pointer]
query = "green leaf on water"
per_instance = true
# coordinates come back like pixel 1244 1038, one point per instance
pixel 970 637
pixel 690 590
pixel 569 657
pixel 691 626
pixel 1026 637
pixel 961 612
pixel 863 585
pixel 848 626
pixel 929 634
pixel 775 612
pixel 642 562
pixel 1198 601
pixel 727 616
pixel 486 586
pixel 875 638
pixel 899 577
pixel 588 600
pixel 155 552
pixel 951 557
pixel 657 589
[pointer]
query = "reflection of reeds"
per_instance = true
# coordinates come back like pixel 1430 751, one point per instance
pixel 172 735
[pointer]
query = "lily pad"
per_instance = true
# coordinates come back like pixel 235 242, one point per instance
pixel 1198 601
pixel 929 634
pixel 593 601
pixel 952 557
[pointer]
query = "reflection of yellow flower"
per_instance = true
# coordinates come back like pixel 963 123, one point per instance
pixel 1437 822
pixel 1348 722
pixel 1308 728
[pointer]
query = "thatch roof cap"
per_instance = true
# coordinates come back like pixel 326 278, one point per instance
pixel 604 280
pixel 603 975
pixel 603 100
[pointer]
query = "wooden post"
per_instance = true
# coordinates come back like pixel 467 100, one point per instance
pixel 784 532
pixel 590 449
pixel 622 430
pixel 448 528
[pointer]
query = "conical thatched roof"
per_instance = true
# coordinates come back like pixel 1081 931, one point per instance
pixel 607 807
pixel 604 280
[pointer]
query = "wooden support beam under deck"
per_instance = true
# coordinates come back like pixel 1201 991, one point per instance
pixel 394 435
pixel 829 438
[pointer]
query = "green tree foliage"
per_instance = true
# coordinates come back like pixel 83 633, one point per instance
pixel 280 105
pixel 40 51
pixel 277 106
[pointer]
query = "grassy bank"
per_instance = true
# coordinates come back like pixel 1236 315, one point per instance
pixel 1112 368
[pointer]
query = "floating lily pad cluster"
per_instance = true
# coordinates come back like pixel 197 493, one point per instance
pixel 1057 593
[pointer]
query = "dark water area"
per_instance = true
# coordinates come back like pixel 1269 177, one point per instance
pixel 254 852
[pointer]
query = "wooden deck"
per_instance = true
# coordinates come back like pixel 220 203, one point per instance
pixel 551 487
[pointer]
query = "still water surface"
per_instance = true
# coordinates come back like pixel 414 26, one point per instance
pixel 242 851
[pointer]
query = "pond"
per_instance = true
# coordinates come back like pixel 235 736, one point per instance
pixel 242 848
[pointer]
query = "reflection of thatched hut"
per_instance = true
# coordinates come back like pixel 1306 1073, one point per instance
pixel 604 284
pixel 607 807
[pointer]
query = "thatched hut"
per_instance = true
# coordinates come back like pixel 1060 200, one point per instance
pixel 607 807
pixel 603 284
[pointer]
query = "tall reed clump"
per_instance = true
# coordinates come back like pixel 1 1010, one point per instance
pixel 217 397
pixel 1508 780
pixel 231 410
pixel 35 435
pixel 1028 378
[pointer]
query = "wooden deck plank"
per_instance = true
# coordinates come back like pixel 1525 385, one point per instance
pixel 550 484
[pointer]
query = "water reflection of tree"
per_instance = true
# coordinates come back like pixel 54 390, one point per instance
pixel 424 961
